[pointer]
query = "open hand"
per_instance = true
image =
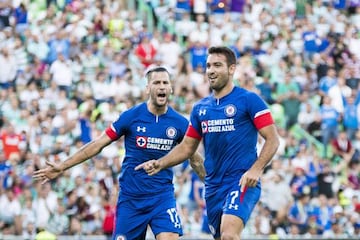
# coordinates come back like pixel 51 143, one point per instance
pixel 52 171
pixel 151 167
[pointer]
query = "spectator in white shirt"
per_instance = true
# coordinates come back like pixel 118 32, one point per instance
pixel 10 212
pixel 7 69
pixel 120 87
pixel 45 204
pixel 169 57
pixel 101 88
pixel 62 73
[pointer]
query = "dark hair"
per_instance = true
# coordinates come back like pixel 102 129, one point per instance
pixel 155 69
pixel 229 54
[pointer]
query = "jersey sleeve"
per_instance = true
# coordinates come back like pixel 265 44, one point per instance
pixel 192 132
pixel 259 111
pixel 194 129
pixel 118 128
pixel 183 127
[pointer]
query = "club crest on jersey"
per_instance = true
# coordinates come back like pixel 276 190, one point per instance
pixel 171 132
pixel 230 110
pixel 141 141
pixel 204 126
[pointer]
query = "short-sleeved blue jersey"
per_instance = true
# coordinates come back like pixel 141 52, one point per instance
pixel 147 136
pixel 229 129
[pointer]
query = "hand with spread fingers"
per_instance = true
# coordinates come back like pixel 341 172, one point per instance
pixel 52 171
pixel 151 167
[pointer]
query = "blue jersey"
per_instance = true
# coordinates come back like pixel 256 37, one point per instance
pixel 329 117
pixel 147 136
pixel 229 129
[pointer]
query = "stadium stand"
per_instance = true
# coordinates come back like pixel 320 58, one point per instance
pixel 68 68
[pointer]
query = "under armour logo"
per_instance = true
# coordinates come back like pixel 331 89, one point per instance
pixel 141 129
pixel 233 206
pixel 202 112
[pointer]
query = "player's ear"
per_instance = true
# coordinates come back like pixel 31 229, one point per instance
pixel 232 68
pixel 147 89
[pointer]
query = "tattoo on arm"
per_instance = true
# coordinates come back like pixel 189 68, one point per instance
pixel 200 170
pixel 198 166
pixel 83 149
pixel 85 154
pixel 80 156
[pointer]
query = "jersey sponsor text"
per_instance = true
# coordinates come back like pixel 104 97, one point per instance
pixel 154 143
pixel 218 125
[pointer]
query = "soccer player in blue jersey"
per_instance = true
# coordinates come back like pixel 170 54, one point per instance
pixel 151 129
pixel 229 122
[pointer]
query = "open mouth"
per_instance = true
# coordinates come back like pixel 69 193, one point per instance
pixel 212 77
pixel 161 95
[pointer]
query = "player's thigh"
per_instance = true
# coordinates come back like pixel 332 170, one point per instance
pixel 231 226
pixel 130 221
pixel 167 236
pixel 228 201
pixel 165 220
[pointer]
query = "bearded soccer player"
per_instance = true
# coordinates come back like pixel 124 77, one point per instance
pixel 229 122
pixel 151 129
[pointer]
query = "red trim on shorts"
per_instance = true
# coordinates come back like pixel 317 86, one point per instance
pixel 242 195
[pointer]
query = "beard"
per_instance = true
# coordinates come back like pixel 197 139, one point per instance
pixel 159 103
pixel 219 84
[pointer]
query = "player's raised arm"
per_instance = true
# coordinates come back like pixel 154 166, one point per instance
pixel 185 150
pixel 89 150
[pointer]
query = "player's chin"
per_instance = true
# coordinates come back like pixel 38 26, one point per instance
pixel 215 86
pixel 161 101
pixel 212 83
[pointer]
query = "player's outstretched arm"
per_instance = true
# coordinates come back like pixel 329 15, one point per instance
pixel 52 171
pixel 89 150
pixel 177 155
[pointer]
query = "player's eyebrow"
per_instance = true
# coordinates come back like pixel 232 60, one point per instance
pixel 214 63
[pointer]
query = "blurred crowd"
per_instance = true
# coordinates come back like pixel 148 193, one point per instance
pixel 69 68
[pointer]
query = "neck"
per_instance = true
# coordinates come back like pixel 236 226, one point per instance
pixel 157 110
pixel 224 91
